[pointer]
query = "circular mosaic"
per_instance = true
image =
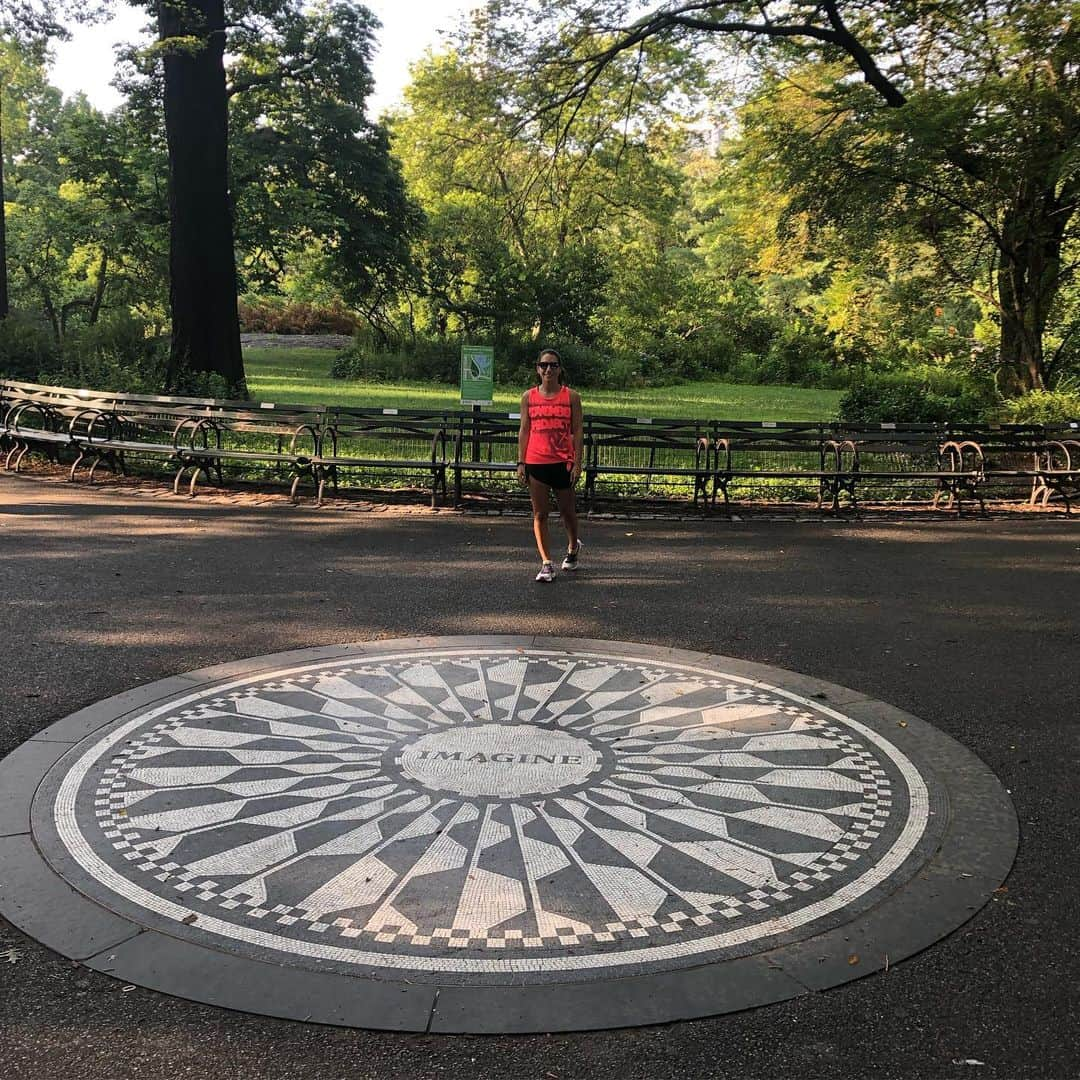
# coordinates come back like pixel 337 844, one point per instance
pixel 490 812
pixel 498 816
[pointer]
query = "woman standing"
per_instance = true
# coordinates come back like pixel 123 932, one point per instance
pixel 550 443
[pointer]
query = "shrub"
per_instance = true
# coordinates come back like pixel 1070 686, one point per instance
pixel 1043 407
pixel 357 362
pixel 623 372
pixel 116 353
pixel 923 396
pixel 27 346
pixel 515 362
pixel 583 365
pixel 799 356
pixel 765 352
pixel 710 353
pixel 427 360
pixel 744 367
pixel 661 365
pixel 277 315
pixel 424 361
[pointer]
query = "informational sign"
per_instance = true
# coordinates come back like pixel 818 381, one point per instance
pixel 477 374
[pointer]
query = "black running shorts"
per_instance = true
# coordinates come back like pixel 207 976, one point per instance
pixel 554 476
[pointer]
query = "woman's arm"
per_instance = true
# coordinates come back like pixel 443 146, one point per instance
pixel 523 436
pixel 577 429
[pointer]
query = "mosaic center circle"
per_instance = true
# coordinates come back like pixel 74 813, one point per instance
pixel 499 760
pixel 487 812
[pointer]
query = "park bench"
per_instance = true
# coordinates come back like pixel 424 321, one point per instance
pixel 154 427
pixel 53 418
pixel 659 454
pixel 749 454
pixel 1058 465
pixel 927 461
pixel 62 397
pixel 246 435
pixel 37 425
pixel 49 419
pixel 485 444
pixel 1059 475
pixel 196 436
pixel 33 416
pixel 1039 462
pixel 113 433
pixel 199 437
pixel 382 443
pixel 1014 461
pixel 966 461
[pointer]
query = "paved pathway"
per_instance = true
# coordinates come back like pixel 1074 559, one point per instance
pixel 970 625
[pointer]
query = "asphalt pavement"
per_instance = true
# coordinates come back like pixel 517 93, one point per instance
pixel 971 625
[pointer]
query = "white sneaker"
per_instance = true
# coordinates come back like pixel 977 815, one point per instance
pixel 571 560
pixel 547 572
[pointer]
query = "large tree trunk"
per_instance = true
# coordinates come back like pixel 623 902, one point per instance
pixel 202 261
pixel 99 289
pixel 1028 280
pixel 1021 355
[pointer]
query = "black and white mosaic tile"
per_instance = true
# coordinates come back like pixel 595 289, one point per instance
pixel 489 815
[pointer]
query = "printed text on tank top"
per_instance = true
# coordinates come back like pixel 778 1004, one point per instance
pixel 550 436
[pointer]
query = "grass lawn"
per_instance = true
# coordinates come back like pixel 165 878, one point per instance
pixel 302 376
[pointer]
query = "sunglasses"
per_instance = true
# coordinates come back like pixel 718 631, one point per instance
pixel 547 364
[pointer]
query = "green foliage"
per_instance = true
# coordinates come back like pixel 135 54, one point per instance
pixel 205 384
pixel 949 126
pixel 115 165
pixel 794 356
pixel 85 210
pixel 313 180
pixel 582 364
pixel 117 354
pixel 526 230
pixel 834 235
pixel 803 355
pixel 309 169
pixel 916 397
pixel 27 346
pixel 33 22
pixel 279 315
pixel 1044 407
pixel 429 361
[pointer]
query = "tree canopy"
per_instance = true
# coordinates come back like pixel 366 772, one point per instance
pixel 783 190
pixel 295 171
pixel 957 118
pixel 311 172
pixel 28 26
pixel 522 227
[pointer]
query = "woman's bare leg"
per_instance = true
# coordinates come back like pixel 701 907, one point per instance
pixel 538 494
pixel 568 509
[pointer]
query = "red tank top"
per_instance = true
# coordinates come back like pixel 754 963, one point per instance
pixel 550 437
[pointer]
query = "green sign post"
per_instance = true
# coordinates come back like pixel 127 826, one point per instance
pixel 477 374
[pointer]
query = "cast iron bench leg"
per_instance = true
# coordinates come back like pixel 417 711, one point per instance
pixel 77 462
